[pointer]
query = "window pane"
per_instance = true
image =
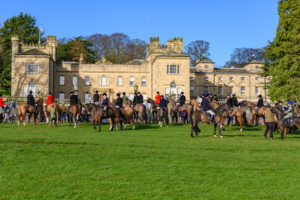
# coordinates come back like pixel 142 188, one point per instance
pixel 243 90
pixel 86 97
pixel 26 68
pixel 119 81
pixel 257 90
pixel 25 91
pixel 206 89
pixel 144 81
pixel 220 90
pixel 167 92
pixel 61 97
pixel 167 69
pixel 192 90
pixel 131 81
pixel 61 80
pixel 178 67
pixel 87 80
pixel 37 68
pixel 172 69
pixel 103 81
pixel 31 68
pixel 206 78
pixel 179 90
pixel 74 80
pixel 230 90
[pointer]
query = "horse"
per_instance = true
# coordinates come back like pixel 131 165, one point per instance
pixel 25 108
pixel 140 110
pixel 185 107
pixel 47 109
pixel 256 114
pixel 74 114
pixel 128 113
pixel 163 116
pixel 98 114
pixel 200 116
pixel 214 104
pixel 238 113
pixel 196 104
pixel 7 112
pixel 154 110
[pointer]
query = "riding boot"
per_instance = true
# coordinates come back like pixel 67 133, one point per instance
pixel 212 119
pixel 35 108
pixel 106 112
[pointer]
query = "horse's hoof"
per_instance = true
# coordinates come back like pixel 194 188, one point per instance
pixel 221 136
pixel 215 136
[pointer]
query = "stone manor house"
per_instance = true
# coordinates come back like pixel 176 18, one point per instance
pixel 166 69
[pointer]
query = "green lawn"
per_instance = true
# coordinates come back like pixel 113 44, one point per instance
pixel 37 162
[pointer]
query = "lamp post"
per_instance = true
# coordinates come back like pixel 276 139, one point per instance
pixel 135 87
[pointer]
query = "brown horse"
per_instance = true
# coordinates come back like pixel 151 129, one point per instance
pixel 46 110
pixel 256 114
pixel 98 114
pixel 163 116
pixel 214 104
pixel 25 108
pixel 185 107
pixel 74 114
pixel 140 110
pixel 238 113
pixel 154 109
pixel 282 125
pixel 127 112
pixel 200 116
pixel 195 104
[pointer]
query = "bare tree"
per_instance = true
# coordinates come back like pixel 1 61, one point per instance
pixel 197 49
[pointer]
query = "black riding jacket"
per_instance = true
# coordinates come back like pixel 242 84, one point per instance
pixel 140 99
pixel 260 103
pixel 181 100
pixel 96 98
pixel 30 100
pixel 119 102
pixel 135 100
pixel 73 99
pixel 234 102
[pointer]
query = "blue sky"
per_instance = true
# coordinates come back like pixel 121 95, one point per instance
pixel 226 24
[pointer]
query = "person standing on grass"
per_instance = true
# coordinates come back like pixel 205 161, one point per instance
pixel 52 116
pixel 269 118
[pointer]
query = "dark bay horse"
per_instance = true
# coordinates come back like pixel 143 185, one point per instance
pixel 221 113
pixel 238 113
pixel 185 107
pixel 98 114
pixel 25 108
pixel 128 114
pixel 74 114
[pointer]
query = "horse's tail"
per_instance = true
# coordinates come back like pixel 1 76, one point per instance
pixel 144 113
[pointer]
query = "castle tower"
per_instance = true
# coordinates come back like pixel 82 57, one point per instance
pixel 15 40
pixel 52 46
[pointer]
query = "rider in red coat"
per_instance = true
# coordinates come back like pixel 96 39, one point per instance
pixel 1 101
pixel 49 99
pixel 157 98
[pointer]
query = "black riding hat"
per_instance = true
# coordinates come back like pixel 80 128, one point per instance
pixel 104 94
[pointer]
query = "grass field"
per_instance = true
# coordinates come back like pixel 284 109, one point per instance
pixel 37 162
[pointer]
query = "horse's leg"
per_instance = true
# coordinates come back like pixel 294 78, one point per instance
pixel 77 120
pixel 24 118
pixel 220 131
pixel 240 120
pixel 192 130
pixel 282 133
pixel 99 123
pixel 18 119
pixel 133 124
pixel 74 120
pixel 215 130
pixel 94 126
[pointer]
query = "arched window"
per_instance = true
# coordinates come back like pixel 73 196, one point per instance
pixel 173 85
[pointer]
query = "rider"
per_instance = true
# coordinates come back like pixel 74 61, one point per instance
pixel 124 99
pixel 96 97
pixel 229 100
pixel 163 105
pixel 157 98
pixel 207 108
pixel 119 103
pixel 105 104
pixel 73 99
pixel 181 100
pixel 234 101
pixel 2 105
pixel 260 103
pixel 140 98
pixel 30 101
pixel 49 100
pixel 135 99
pixel 289 113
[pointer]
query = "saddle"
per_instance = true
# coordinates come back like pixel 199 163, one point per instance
pixel 289 121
